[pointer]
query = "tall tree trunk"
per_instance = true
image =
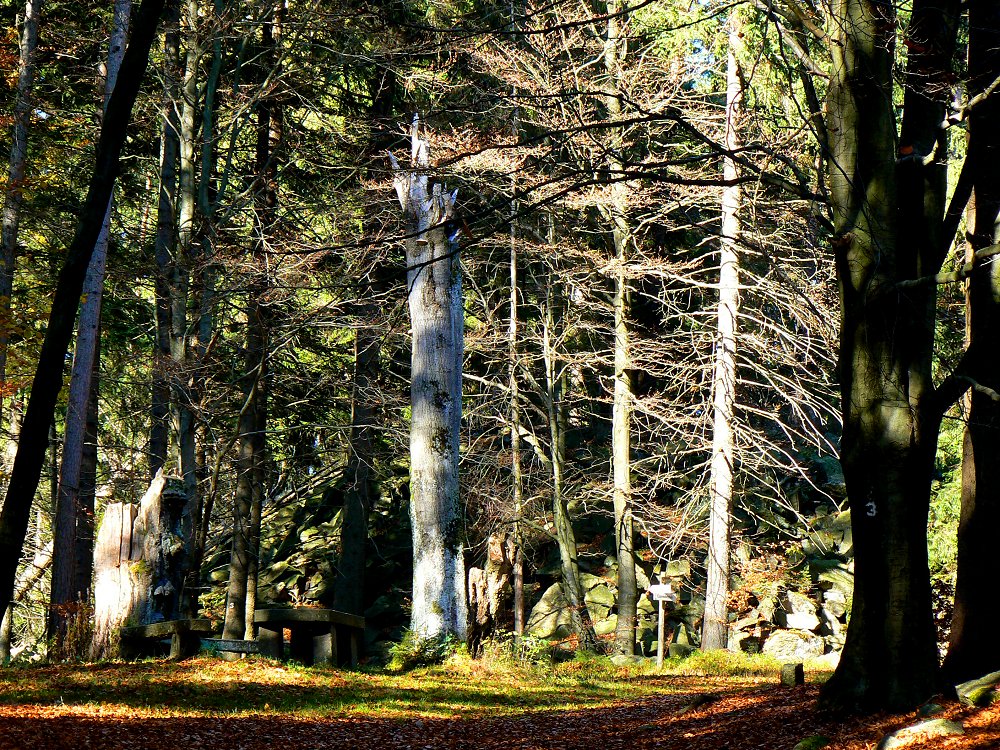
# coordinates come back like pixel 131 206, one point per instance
pixel 29 578
pixel 516 11
pixel 74 522
pixel 87 496
pixel 361 491
pixel 198 513
pixel 48 377
pixel 241 599
pixel 183 404
pixel 972 651
pixel 13 197
pixel 166 242
pixel 715 625
pixel 888 219
pixel 621 414
pixel 516 474
pixel 10 450
pixel 434 286
pixel 349 591
pixel 555 385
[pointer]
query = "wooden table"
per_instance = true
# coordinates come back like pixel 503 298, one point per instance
pixel 319 636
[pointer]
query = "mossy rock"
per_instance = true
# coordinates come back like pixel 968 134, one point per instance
pixel 981 692
pixel 606 626
pixel 600 595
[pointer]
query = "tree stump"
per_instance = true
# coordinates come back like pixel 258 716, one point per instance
pixel 792 674
pixel 138 564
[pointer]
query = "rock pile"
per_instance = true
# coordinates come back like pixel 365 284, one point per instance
pixel 801 618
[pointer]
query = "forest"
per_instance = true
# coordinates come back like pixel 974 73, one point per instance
pixel 476 319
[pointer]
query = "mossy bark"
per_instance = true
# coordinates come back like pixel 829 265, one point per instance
pixel 888 214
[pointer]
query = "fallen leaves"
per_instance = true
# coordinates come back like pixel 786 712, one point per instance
pixel 257 705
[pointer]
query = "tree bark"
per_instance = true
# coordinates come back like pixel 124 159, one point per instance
pixel 972 650
pixel 49 373
pixel 888 217
pixel 29 578
pixel 198 514
pixel 183 403
pixel 166 242
pixel 715 626
pixel 361 492
pixel 516 474
pixel 349 590
pixel 241 599
pixel 555 384
pixel 74 521
pixel 13 193
pixel 434 284
pixel 621 413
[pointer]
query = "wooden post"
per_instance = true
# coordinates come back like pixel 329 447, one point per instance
pixel 659 634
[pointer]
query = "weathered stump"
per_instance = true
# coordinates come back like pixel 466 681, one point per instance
pixel 138 564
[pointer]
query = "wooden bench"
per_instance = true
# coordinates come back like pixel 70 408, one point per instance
pixel 319 636
pixel 230 645
pixel 185 637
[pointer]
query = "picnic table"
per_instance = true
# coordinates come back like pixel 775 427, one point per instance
pixel 318 636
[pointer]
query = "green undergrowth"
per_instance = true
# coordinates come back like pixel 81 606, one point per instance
pixel 460 687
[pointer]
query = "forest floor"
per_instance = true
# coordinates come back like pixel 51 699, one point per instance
pixel 260 705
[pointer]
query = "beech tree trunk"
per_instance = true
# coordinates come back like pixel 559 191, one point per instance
pixel 48 378
pixel 888 216
pixel 434 293
pixel 74 522
pixel 715 626
pixel 972 650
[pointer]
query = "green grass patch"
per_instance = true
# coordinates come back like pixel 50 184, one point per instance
pixel 459 687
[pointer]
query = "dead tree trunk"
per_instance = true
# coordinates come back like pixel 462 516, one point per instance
pixel 715 626
pixel 434 284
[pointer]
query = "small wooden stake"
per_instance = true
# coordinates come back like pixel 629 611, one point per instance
pixel 659 635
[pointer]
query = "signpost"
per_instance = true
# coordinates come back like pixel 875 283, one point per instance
pixel 661 592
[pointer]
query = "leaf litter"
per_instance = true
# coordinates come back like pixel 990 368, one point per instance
pixel 258 705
